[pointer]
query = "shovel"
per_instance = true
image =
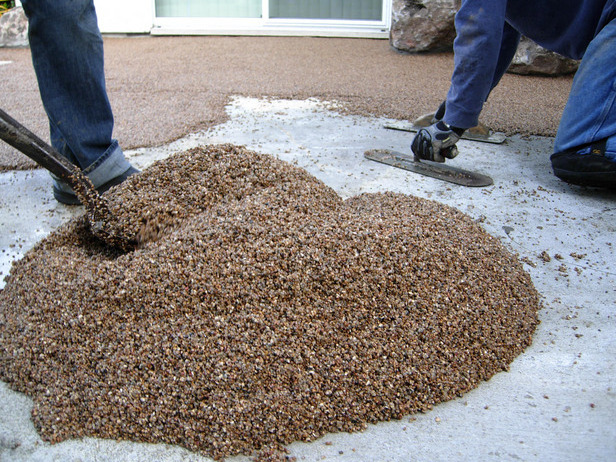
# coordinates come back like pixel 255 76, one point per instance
pixel 97 210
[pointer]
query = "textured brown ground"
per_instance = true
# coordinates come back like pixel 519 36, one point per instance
pixel 162 88
pixel 269 311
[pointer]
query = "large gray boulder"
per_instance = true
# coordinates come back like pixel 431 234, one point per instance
pixel 429 25
pixel 14 28
pixel 532 59
pixel 423 25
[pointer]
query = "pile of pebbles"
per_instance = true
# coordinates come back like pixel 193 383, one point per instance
pixel 259 309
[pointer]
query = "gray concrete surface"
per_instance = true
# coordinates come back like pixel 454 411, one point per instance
pixel 557 402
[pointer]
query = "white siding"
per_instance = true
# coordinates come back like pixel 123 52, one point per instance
pixel 124 16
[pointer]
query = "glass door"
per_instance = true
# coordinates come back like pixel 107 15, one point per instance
pixel 358 18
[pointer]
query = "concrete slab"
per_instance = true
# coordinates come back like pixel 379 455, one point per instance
pixel 557 402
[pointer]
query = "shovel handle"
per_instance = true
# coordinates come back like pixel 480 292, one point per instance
pixel 22 139
pixel 97 211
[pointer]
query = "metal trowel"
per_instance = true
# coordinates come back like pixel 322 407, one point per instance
pixel 97 209
pixel 436 170
pixel 479 133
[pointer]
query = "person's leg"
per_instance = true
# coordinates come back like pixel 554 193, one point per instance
pixel 590 117
pixel 67 54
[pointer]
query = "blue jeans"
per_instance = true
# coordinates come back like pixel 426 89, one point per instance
pixel 67 54
pixel 590 113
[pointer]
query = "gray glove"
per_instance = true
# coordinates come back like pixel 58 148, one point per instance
pixel 436 142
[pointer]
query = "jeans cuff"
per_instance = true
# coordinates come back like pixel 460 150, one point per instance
pixel 112 164
pixel 610 152
pixel 610 149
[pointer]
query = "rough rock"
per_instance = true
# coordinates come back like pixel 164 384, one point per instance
pixel 533 59
pixel 423 25
pixel 14 28
pixel 428 25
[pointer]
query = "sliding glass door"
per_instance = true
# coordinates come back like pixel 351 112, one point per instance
pixel 273 17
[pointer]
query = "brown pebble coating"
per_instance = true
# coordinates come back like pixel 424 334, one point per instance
pixel 259 309
pixel 102 223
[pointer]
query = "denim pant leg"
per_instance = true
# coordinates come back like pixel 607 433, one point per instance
pixel 67 54
pixel 590 113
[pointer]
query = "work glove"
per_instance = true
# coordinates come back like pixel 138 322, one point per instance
pixel 436 142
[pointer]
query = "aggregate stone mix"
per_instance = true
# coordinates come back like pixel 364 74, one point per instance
pixel 258 309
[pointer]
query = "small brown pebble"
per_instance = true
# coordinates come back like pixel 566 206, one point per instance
pixel 529 262
pixel 554 419
pixel 592 405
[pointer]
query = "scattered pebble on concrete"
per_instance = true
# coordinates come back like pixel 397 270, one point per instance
pixel 259 309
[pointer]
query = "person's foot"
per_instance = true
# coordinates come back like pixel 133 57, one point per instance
pixel 585 168
pixel 65 195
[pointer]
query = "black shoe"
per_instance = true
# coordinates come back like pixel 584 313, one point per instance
pixel 592 169
pixel 71 199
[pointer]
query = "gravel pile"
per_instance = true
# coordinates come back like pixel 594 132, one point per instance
pixel 259 309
